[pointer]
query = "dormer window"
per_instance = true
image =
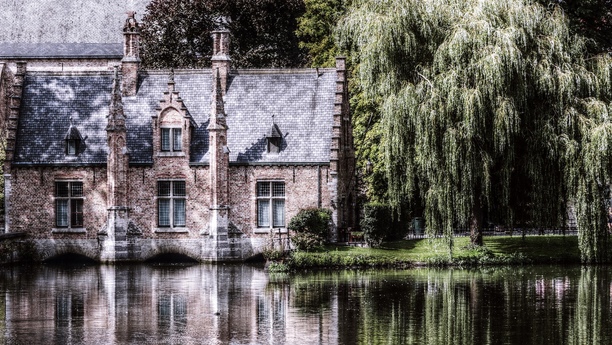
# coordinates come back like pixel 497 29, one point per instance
pixel 171 139
pixel 274 139
pixel 72 147
pixel 73 140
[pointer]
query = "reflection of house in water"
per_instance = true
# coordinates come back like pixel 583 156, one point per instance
pixel 129 164
pixel 143 304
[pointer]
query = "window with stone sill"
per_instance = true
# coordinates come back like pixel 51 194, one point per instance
pixel 69 204
pixel 171 140
pixel 270 204
pixel 171 197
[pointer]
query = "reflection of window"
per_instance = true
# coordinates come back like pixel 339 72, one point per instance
pixel 171 203
pixel 172 311
pixel 271 204
pixel 69 204
pixel 69 309
pixel 171 139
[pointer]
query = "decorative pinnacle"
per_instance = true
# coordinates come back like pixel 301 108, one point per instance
pixel 220 108
pixel 131 25
pixel 116 105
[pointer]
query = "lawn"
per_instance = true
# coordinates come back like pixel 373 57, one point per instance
pixel 497 250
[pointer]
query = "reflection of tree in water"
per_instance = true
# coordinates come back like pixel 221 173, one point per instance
pixel 532 305
pixel 592 322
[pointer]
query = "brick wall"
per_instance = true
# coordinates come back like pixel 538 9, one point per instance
pixel 32 206
pixel 32 203
pixel 142 196
pixel 301 191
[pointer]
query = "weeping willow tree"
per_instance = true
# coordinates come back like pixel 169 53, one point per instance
pixel 489 109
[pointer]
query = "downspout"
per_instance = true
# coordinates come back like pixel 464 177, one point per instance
pixel 318 186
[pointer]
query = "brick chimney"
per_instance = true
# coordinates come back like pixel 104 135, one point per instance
pixel 131 55
pixel 220 59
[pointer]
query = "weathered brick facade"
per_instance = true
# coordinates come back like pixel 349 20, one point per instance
pixel 181 166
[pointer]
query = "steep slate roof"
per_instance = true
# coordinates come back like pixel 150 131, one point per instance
pixel 301 102
pixel 81 21
pixel 61 50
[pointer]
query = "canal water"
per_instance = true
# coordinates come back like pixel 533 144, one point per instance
pixel 240 304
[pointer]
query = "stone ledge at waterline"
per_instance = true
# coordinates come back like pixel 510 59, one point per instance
pixel 497 250
pixel 17 247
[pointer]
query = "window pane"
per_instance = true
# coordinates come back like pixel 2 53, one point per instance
pixel 177 145
pixel 278 188
pixel 278 212
pixel 179 212
pixel 61 189
pixel 163 188
pixel 263 213
pixel 178 188
pixel 263 188
pixel 163 212
pixel 165 139
pixel 71 147
pixel 76 213
pixel 76 189
pixel 61 213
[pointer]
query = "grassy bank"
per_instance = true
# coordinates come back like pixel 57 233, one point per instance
pixel 498 250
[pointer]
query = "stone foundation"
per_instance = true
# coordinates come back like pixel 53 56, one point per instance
pixel 138 249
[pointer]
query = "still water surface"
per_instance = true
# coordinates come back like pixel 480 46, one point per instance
pixel 239 304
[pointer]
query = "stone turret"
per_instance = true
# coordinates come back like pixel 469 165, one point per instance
pixel 219 170
pixel 221 57
pixel 113 239
pixel 131 55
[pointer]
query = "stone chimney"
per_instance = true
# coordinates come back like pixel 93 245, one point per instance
pixel 220 59
pixel 131 55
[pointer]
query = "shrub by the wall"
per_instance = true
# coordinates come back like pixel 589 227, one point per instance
pixel 376 223
pixel 310 227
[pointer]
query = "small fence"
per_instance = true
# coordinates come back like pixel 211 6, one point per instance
pixel 498 231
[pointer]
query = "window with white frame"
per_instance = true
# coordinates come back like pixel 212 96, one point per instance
pixel 271 204
pixel 171 139
pixel 171 204
pixel 69 204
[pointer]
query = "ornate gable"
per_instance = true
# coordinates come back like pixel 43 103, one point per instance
pixel 172 125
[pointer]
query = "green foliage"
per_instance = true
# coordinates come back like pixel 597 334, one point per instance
pixel 315 30
pixel 277 267
pixel 376 223
pixel 176 33
pixel 12 251
pixel 487 107
pixel 273 251
pixel 589 18
pixel 310 227
pixel 307 241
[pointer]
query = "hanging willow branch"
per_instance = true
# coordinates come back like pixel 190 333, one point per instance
pixel 491 110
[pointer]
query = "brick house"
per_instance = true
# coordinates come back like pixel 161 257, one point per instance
pixel 129 163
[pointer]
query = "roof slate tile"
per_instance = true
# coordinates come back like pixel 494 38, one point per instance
pixel 301 102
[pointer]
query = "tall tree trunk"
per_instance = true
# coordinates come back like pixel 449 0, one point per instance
pixel 476 226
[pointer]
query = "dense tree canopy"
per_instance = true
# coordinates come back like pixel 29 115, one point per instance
pixel 176 33
pixel 316 27
pixel 589 18
pixel 489 109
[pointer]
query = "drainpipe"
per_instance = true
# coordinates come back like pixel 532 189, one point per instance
pixel 318 186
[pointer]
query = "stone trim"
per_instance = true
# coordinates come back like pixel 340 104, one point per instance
pixel 69 231
pixel 171 230
pixel 268 230
pixel 171 154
